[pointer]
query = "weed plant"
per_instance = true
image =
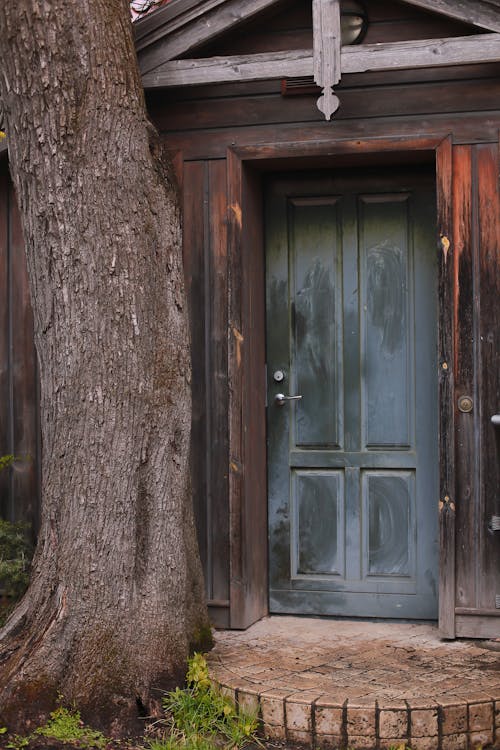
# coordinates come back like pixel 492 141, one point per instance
pixel 65 725
pixel 199 717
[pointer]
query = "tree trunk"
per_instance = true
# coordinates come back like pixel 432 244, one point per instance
pixel 116 597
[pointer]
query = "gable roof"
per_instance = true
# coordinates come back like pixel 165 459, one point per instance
pixel 181 26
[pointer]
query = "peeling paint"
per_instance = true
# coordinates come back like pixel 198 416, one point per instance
pixel 239 340
pixel 445 246
pixel 236 209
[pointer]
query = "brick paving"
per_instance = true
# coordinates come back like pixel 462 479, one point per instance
pixel 356 684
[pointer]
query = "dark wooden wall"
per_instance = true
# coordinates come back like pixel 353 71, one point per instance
pixel 459 103
pixel 19 428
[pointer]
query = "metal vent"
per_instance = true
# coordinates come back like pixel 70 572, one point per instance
pixel 497 601
pixel 299 86
pixel 495 523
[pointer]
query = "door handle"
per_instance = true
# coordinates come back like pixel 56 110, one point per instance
pixel 280 399
pixel 495 420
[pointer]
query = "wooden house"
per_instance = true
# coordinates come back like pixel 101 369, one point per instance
pixel 339 167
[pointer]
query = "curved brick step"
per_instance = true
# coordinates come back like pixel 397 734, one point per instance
pixel 339 684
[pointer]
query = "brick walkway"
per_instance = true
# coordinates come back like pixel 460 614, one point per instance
pixel 352 684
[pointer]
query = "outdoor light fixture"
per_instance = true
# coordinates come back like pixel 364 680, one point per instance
pixel 353 21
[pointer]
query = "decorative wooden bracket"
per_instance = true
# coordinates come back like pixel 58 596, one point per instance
pixel 326 52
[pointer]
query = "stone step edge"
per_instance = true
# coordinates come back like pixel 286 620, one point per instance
pixel 316 720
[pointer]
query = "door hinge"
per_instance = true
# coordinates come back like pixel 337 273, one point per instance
pixel 448 502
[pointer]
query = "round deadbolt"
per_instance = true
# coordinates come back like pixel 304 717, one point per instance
pixel 465 404
pixel 279 376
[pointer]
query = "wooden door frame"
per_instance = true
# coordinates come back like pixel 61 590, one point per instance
pixel 246 358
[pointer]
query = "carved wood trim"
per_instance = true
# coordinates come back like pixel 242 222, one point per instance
pixel 326 52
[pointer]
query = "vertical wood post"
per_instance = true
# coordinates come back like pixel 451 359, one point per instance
pixel 444 179
pixel 326 45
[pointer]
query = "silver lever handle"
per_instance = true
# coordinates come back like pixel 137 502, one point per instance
pixel 280 399
pixel 495 420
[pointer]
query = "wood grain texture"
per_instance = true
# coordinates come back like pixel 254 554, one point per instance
pixel 464 373
pixel 194 228
pixel 216 316
pixel 247 455
pixel 446 253
pixel 326 52
pixel 467 128
pixel 236 344
pixel 357 59
pixel 175 30
pixel 477 12
pixel 488 369
pixel 360 102
pixel 255 509
pixel 206 22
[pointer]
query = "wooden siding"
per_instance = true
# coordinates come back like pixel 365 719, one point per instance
pixel 477 374
pixel 19 427
pixel 205 259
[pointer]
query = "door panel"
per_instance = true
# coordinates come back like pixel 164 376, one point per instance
pixel 351 309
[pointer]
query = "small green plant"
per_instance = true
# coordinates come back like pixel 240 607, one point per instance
pixel 201 718
pixel 66 725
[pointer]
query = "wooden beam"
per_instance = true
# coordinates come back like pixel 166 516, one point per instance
pixel 199 24
pixel 426 53
pixel 482 13
pixel 326 52
pixel 230 69
pixel 361 58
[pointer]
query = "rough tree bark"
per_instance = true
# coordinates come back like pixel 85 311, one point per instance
pixel 116 597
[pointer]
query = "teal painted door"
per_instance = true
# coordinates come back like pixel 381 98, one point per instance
pixel 351 327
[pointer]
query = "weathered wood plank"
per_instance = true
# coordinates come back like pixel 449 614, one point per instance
pixel 177 28
pixel 228 69
pixel 206 22
pixel 486 15
pixel 326 52
pixel 386 101
pixel 216 380
pixel 309 137
pixel 463 241
pixel 488 369
pixel 426 53
pixel 470 626
pixel 236 383
pixel 151 27
pixel 421 54
pixel 444 178
pixel 255 508
pixel 194 230
pixel 247 478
